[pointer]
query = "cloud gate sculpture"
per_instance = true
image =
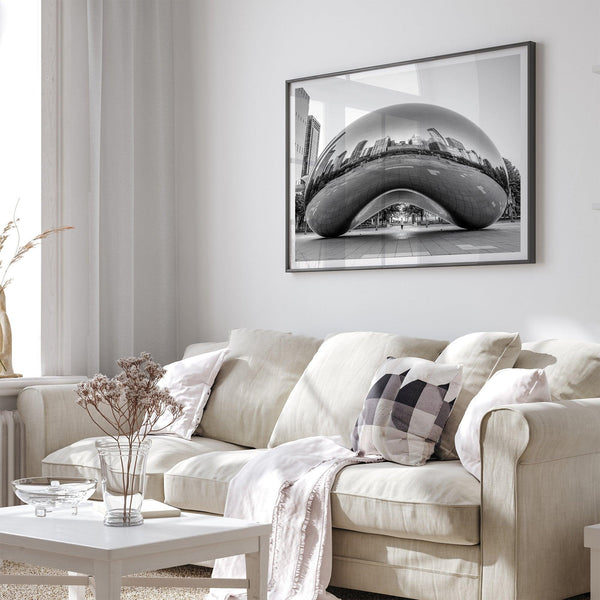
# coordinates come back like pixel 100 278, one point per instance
pixel 419 154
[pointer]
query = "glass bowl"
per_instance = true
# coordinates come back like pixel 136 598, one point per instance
pixel 47 493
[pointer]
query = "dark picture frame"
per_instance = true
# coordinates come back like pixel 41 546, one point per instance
pixel 420 163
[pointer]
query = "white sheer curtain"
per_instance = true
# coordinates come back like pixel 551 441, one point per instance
pixel 115 159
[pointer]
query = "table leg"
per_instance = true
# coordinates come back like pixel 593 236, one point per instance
pixel 107 580
pixel 76 592
pixel 257 566
pixel 595 574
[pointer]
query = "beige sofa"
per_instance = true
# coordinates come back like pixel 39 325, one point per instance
pixel 432 532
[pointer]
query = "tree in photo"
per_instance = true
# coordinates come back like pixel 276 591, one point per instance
pixel 513 208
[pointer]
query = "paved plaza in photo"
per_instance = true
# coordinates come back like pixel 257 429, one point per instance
pixel 412 240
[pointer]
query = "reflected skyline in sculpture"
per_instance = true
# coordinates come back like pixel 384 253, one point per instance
pixel 419 154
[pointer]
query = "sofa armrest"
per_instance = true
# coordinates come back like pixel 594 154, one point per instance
pixel 52 420
pixel 540 487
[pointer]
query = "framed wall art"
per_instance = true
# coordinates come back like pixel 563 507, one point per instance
pixel 427 162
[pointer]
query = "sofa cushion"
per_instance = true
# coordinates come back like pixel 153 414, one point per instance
pixel 260 371
pixel 438 502
pixel 329 396
pixel 481 355
pixel 80 459
pixel 201 482
pixel 203 348
pixel 572 366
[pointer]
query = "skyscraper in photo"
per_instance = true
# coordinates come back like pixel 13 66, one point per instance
pixel 339 161
pixel 311 145
pixel 458 147
pixel 301 100
pixel 380 146
pixel 453 143
pixel 437 137
pixel 356 153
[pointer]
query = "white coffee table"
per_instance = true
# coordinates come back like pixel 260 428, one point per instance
pixel 83 544
pixel 591 540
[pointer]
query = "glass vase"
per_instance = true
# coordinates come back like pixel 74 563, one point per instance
pixel 123 479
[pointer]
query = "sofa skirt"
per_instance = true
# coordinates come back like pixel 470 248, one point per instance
pixel 405 568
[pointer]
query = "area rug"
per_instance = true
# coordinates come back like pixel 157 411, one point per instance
pixel 38 592
pixel 59 592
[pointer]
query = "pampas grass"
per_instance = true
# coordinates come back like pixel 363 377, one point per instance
pixel 20 249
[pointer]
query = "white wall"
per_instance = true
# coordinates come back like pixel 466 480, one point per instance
pixel 233 58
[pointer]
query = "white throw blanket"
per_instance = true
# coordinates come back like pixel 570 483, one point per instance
pixel 289 486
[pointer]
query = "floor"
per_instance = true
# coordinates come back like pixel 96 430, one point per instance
pixel 411 240
pixel 12 592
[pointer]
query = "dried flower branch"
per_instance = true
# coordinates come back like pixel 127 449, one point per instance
pixel 21 249
pixel 131 403
pixel 126 408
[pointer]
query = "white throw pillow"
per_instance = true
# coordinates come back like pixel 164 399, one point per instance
pixel 509 386
pixel 189 381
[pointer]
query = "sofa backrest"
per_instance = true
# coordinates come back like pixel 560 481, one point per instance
pixel 276 387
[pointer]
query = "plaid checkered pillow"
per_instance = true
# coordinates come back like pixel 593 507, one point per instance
pixel 406 409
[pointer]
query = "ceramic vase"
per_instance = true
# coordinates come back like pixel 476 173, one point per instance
pixel 6 368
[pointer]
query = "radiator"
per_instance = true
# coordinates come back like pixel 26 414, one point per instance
pixel 12 454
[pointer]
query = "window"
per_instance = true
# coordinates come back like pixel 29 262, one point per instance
pixel 20 170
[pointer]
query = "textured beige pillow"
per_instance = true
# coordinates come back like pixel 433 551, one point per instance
pixel 481 355
pixel 260 371
pixel 330 394
pixel 572 366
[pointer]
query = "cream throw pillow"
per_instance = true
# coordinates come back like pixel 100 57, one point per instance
pixel 329 396
pixel 509 386
pixel 189 382
pixel 572 366
pixel 481 355
pixel 260 371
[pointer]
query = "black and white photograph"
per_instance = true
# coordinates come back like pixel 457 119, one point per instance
pixel 421 163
